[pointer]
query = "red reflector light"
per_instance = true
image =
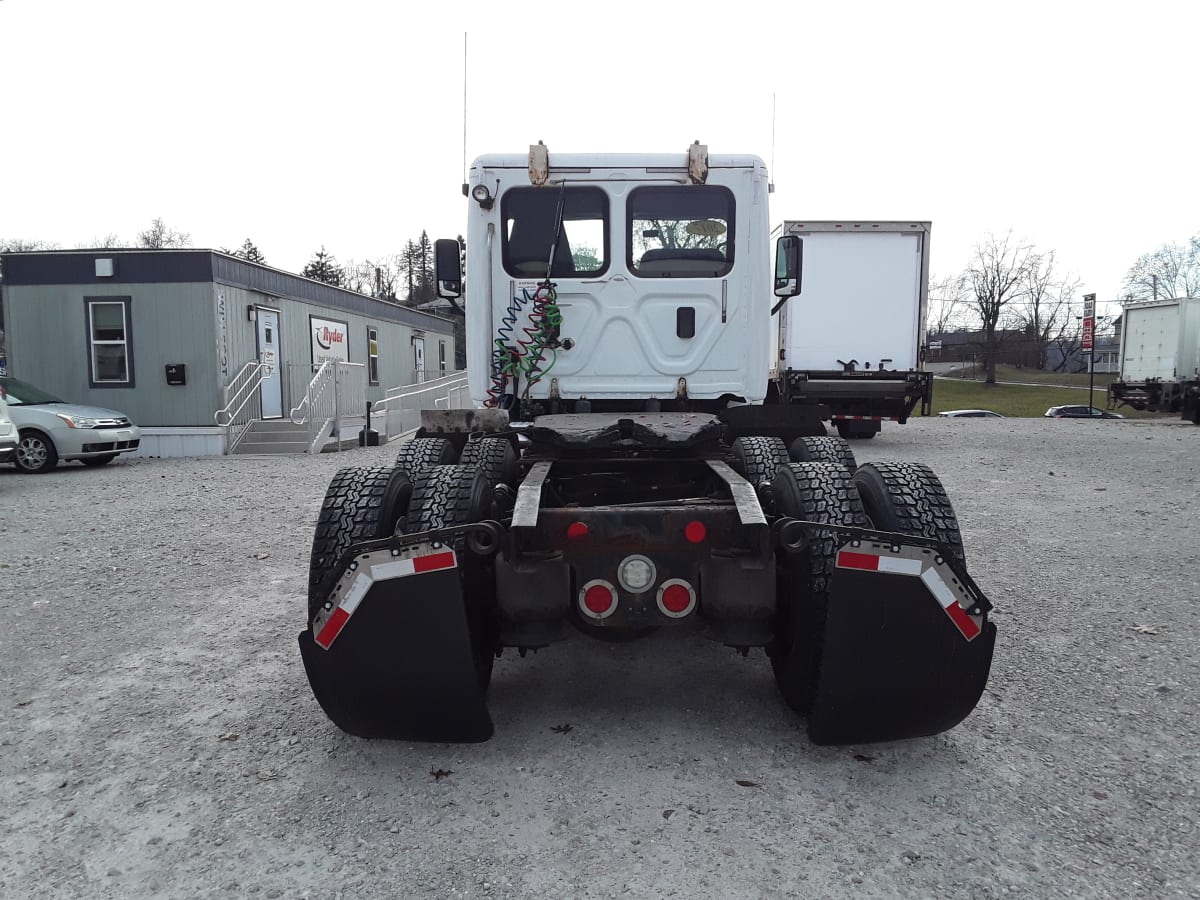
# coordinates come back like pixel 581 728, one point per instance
pixel 599 599
pixel 577 531
pixel 676 598
pixel 695 532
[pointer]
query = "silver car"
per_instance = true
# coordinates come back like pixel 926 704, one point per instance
pixel 8 434
pixel 49 429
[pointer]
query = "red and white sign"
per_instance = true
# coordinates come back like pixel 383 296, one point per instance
pixel 330 340
pixel 1089 323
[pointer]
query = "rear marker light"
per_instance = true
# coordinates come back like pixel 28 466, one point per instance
pixel 598 599
pixel 676 598
pixel 577 531
pixel 695 532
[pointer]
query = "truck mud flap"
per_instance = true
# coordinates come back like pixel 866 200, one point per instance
pixel 907 647
pixel 394 658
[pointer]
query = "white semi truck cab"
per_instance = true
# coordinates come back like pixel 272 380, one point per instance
pixel 619 473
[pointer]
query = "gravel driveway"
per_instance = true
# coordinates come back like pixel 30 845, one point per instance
pixel 158 737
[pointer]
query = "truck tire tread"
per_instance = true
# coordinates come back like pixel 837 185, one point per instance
pixel 450 495
pixel 758 458
pixel 495 457
pixel 361 503
pixel 420 454
pixel 908 498
pixel 824 493
pixel 823 449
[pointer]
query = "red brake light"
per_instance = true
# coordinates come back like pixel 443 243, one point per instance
pixel 695 532
pixel 676 598
pixel 598 599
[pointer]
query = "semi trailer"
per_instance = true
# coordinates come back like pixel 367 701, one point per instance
pixel 622 469
pixel 1160 357
pixel 856 344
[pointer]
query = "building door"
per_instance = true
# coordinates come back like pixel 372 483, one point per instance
pixel 419 359
pixel 271 389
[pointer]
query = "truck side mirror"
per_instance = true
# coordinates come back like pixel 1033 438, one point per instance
pixel 447 268
pixel 789 265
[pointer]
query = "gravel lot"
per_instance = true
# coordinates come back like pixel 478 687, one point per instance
pixel 159 738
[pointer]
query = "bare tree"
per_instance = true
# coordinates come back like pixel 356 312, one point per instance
pixel 159 235
pixel 377 278
pixel 25 245
pixel 948 304
pixel 1044 311
pixel 1173 270
pixel 1068 342
pixel 109 242
pixel 997 280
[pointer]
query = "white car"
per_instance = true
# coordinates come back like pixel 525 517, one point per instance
pixel 8 433
pixel 49 429
pixel 970 414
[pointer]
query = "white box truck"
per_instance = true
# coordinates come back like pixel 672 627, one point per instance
pixel 854 340
pixel 1160 356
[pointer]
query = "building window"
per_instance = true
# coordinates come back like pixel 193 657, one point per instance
pixel 110 344
pixel 441 357
pixel 373 355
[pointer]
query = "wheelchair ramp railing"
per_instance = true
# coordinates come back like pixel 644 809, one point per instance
pixel 400 411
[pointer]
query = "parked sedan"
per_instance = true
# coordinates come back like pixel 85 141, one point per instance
pixel 1080 412
pixel 970 414
pixel 50 429
pixel 8 433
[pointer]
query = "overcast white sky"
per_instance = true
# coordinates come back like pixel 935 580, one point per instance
pixel 297 123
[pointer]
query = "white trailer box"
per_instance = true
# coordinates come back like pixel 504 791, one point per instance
pixel 854 337
pixel 1160 352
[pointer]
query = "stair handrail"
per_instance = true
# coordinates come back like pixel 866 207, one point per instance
pixel 313 391
pixel 242 388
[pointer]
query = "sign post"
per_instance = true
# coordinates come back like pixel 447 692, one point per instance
pixel 1087 345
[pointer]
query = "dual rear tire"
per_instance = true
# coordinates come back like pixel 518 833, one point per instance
pixel 905 498
pixel 423 491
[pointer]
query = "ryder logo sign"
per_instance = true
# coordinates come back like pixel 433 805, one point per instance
pixel 329 340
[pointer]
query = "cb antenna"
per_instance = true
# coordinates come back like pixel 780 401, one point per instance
pixel 464 169
pixel 771 178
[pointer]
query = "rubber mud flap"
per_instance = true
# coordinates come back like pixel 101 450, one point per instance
pixel 894 665
pixel 401 668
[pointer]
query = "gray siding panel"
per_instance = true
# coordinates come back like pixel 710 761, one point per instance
pixel 171 323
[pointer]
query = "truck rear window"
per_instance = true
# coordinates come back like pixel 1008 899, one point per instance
pixel 530 220
pixel 683 231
